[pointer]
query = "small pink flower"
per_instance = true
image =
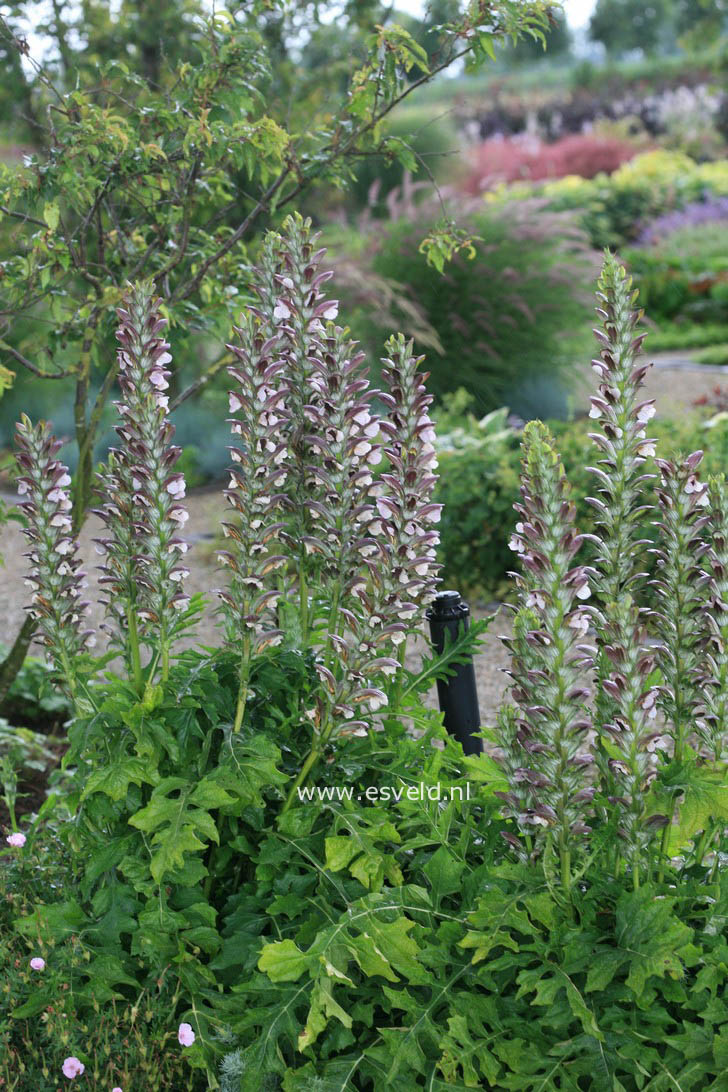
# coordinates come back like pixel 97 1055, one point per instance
pixel 16 839
pixel 37 963
pixel 72 1067
pixel 186 1035
pixel 117 1089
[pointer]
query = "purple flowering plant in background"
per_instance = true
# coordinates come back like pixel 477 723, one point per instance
pixel 691 215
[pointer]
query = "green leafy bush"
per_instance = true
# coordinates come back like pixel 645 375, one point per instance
pixel 510 315
pixel 686 276
pixel 687 335
pixel 65 1008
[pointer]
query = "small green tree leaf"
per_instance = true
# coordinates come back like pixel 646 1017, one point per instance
pixel 51 214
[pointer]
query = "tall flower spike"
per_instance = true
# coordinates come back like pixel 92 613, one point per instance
pixel 712 724
pixel 386 566
pixel 143 511
pixel 391 556
pixel 622 417
pixel 299 313
pixel 257 491
pixel 55 574
pixel 547 687
pixel 521 798
pixel 625 705
pixel 405 505
pixel 627 763
pixel 341 450
pixel 681 593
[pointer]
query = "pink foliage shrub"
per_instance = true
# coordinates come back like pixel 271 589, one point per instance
pixel 526 158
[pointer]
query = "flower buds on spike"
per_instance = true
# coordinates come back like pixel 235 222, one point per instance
pixel 544 756
pixel 712 722
pixel 142 492
pixel 407 506
pixel 257 486
pixel 55 576
pixel 623 415
pixel 681 591
pixel 633 702
pixel 624 656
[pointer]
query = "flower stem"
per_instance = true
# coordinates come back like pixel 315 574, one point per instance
pixel 243 689
pixel 136 662
pixel 303 593
pixel 311 760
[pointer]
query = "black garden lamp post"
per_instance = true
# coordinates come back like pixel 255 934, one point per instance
pixel 457 694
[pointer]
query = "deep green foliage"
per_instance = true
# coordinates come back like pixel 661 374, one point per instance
pixel 679 282
pixel 495 984
pixel 389 937
pixel 691 335
pixel 178 859
pixel 47 1015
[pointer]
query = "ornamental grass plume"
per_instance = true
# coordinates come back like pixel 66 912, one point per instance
pixel 55 569
pixel 547 758
pixel 681 597
pixel 712 723
pixel 142 494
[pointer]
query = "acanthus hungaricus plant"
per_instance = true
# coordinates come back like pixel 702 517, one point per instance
pixel 658 779
pixel 365 947
pixel 330 569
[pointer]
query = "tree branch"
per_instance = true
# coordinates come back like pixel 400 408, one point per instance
pixel 183 292
pixel 24 217
pixel 23 360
